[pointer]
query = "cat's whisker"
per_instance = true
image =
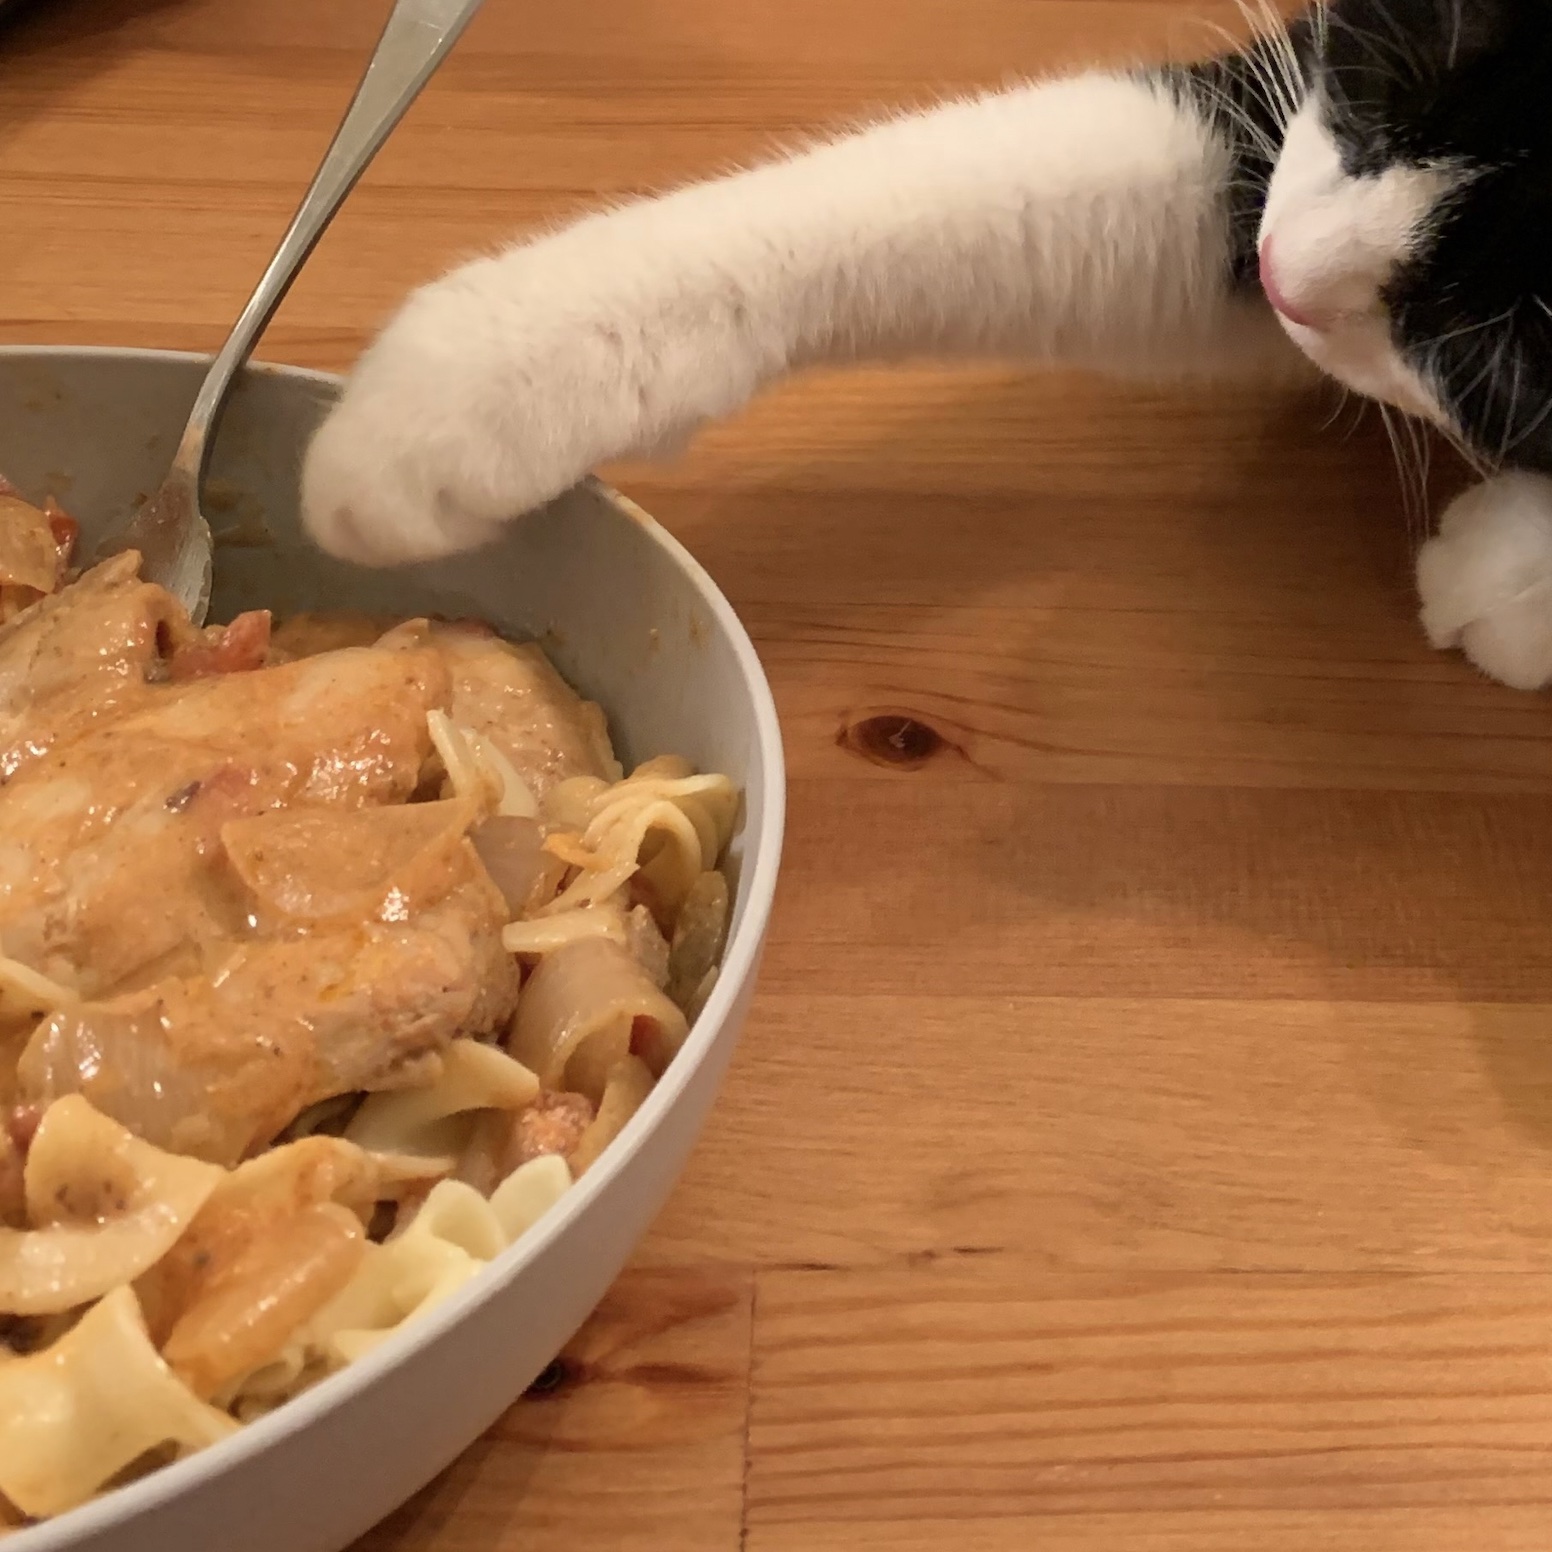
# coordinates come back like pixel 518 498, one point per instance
pixel 1284 58
pixel 1507 439
pixel 1343 397
pixel 1402 36
pixel 1387 56
pixel 1235 116
pixel 1422 457
pixel 1456 18
pixel 1468 328
pixel 1320 22
pixel 1488 372
pixel 1272 61
pixel 1532 427
pixel 1360 407
pixel 1388 416
pixel 1466 452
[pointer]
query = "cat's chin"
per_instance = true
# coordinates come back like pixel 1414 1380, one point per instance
pixel 1358 354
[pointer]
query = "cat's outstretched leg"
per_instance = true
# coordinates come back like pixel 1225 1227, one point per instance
pixel 1485 579
pixel 1087 221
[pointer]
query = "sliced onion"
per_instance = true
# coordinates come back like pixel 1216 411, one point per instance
pixel 592 992
pixel 23 991
pixel 465 777
pixel 646 942
pixel 629 1083
pixel 283 1278
pixel 511 849
pixel 700 933
pixel 29 554
pixel 517 800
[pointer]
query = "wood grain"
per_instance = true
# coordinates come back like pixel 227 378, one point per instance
pixel 1143 1138
pixel 637 1432
pixel 1147 1411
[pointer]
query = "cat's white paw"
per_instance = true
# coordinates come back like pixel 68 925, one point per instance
pixel 499 387
pixel 1486 579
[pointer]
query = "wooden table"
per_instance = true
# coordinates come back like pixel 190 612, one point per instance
pixel 1144 1136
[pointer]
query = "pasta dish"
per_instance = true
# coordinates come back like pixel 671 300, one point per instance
pixel 332 952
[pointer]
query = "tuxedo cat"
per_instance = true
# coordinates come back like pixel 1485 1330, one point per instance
pixel 1373 183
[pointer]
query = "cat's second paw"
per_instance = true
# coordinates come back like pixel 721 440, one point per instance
pixel 499 387
pixel 1485 580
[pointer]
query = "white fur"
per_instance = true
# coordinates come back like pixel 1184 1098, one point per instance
pixel 1336 240
pixel 1081 220
pixel 1485 580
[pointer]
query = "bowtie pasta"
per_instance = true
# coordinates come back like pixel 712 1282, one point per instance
pixel 331 954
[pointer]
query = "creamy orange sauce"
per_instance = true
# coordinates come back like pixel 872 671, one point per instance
pixel 217 843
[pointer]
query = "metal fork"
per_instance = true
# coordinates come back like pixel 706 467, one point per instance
pixel 169 530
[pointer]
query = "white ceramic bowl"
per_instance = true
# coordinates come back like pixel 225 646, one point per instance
pixel 634 623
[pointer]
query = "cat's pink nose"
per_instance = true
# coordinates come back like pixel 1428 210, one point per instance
pixel 1274 294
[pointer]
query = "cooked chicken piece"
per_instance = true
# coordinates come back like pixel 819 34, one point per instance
pixel 509 693
pixel 217 1065
pixel 313 868
pixel 220 859
pixel 306 871
pixel 32 554
pixel 306 635
pixel 554 1123
pixel 110 854
pixel 512 696
pixel 78 657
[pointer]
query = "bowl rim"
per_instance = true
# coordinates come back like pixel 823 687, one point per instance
pixel 739 965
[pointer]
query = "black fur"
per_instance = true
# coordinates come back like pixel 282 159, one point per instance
pixel 1472 88
pixel 1464 84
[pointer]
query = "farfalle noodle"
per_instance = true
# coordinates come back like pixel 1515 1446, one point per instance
pixel 106 1208
pixel 473 1077
pixel 76 1414
pixel 251 1205
pixel 455 1233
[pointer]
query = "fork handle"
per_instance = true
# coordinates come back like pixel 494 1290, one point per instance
pixel 415 40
